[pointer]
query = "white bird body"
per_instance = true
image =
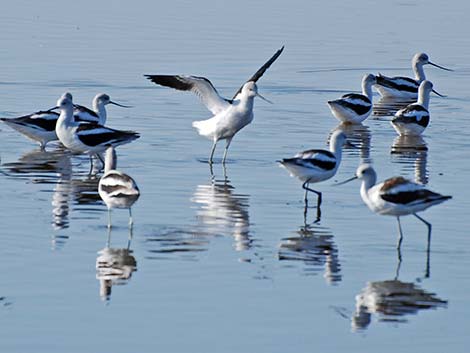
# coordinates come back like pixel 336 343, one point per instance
pixel 313 166
pixel 225 124
pixel 414 118
pixel 401 87
pixel 354 108
pixel 395 196
pixel 117 189
pixel 230 116
pixel 85 137
pixel 39 126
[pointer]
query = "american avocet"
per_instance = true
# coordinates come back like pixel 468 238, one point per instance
pixel 230 115
pixel 354 108
pixel 313 166
pixel 396 196
pixel 85 137
pixel 414 118
pixel 405 87
pixel 98 114
pixel 118 190
pixel 39 126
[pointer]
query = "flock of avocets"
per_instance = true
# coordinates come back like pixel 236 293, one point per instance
pixel 84 130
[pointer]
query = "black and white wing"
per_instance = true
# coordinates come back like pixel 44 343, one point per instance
pixel 257 75
pixel 358 103
pixel 81 113
pixel 399 190
pixel 42 120
pixel 117 184
pixel 412 114
pixel 313 159
pixel 398 83
pixel 94 135
pixel 200 86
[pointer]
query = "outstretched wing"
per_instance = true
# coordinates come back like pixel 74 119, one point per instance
pixel 201 86
pixel 257 75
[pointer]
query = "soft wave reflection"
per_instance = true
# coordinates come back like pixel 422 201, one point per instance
pixel 114 266
pixel 222 211
pixel 391 301
pixel 389 106
pixel 360 137
pixel 412 153
pixel 315 247
pixel 54 170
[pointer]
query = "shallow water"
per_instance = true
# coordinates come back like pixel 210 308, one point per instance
pixel 225 263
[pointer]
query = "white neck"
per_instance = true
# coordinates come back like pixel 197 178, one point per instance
pixel 367 182
pixel 66 117
pixel 423 98
pixel 99 108
pixel 419 72
pixel 367 89
pixel 336 147
pixel 110 160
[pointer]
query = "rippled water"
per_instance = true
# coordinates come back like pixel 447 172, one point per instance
pixel 225 262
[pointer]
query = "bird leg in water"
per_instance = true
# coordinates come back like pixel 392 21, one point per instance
pixel 319 199
pixel 428 250
pixel 212 152
pixel 228 141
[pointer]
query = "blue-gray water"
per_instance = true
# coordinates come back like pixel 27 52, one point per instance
pixel 227 265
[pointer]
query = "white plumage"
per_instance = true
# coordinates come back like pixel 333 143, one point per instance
pixel 230 116
pixel 353 108
pixel 414 118
pixel 396 196
pixel 405 87
pixel 313 166
pixel 117 189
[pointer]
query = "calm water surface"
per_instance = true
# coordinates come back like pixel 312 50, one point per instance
pixel 225 263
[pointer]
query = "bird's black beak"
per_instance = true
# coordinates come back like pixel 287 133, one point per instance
pixel 440 95
pixel 121 105
pixel 346 181
pixel 440 67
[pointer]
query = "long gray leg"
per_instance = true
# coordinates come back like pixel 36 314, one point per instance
pixel 227 145
pixel 131 222
pixel 319 199
pixel 212 151
pixel 108 242
pixel 400 239
pixel 428 250
pixel 109 218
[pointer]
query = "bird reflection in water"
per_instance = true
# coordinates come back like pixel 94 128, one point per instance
pixel 388 106
pixel 38 166
pixel 81 193
pixel 358 140
pixel 315 247
pixel 53 169
pixel 391 300
pixel 222 211
pixel 114 266
pixel 412 153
